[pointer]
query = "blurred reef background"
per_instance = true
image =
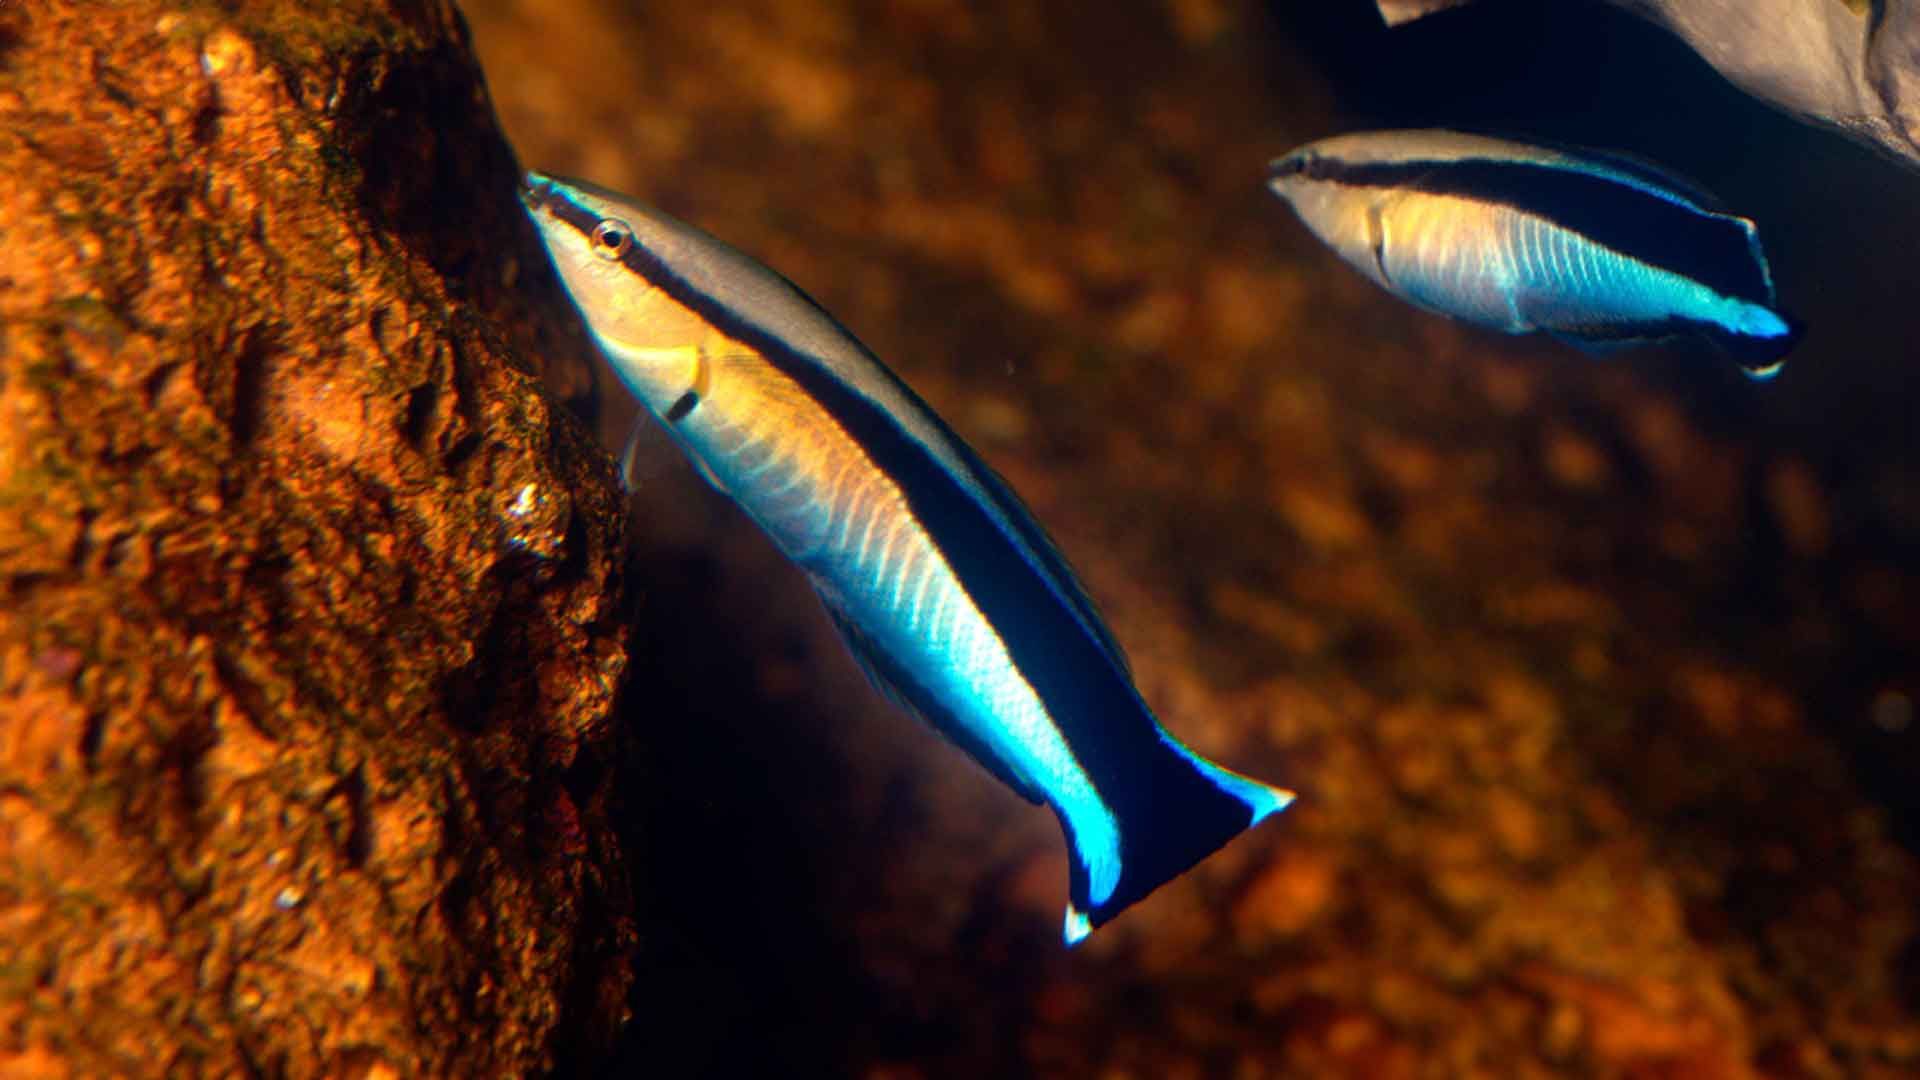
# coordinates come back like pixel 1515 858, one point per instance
pixel 1596 679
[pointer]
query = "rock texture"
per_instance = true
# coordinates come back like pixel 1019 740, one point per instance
pixel 307 642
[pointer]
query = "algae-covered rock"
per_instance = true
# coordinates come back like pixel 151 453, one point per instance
pixel 306 591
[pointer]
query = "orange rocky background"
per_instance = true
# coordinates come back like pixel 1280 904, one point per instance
pixel 337 738
pixel 308 597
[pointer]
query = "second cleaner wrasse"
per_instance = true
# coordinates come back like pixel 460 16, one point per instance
pixel 1598 250
pixel 947 591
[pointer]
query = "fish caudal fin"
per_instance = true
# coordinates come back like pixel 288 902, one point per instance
pixel 1183 809
pixel 1760 341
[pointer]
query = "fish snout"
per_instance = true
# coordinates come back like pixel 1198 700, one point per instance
pixel 535 188
pixel 1287 173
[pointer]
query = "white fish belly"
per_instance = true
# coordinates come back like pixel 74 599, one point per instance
pixel 1452 256
pixel 1504 269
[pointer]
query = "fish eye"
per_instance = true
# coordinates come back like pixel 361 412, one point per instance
pixel 612 238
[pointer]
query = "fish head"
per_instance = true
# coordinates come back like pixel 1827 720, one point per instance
pixel 592 238
pixel 1343 216
pixel 1291 174
pixel 612 254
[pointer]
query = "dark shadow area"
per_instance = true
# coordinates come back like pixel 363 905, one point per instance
pixel 740 972
pixel 745 838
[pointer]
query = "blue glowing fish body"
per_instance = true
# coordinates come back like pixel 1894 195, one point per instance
pixel 944 587
pixel 1598 250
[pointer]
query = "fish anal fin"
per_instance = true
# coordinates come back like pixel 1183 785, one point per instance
pixel 896 683
pixel 630 454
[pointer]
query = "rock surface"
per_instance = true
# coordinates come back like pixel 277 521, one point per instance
pixel 307 594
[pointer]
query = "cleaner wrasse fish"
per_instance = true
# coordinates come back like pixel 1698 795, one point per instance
pixel 949 595
pixel 1597 250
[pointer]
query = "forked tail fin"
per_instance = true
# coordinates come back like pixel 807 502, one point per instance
pixel 1181 809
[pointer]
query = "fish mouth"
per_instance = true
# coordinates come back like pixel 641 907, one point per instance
pixel 535 190
pixel 1299 163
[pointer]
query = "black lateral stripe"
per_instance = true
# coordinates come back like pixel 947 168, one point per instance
pixel 581 219
pixel 1052 562
pixel 1156 796
pixel 1709 248
pixel 1161 804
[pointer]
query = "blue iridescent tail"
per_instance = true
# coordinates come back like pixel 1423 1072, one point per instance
pixel 1181 810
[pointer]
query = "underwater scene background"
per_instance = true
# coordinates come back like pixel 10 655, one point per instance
pixel 1595 678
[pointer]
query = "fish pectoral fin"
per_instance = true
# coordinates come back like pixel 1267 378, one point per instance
pixel 630 453
pixel 695 364
pixel 1377 239
pixel 866 657
pixel 898 686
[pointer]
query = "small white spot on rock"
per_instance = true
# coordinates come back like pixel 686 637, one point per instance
pixel 224 53
pixel 525 502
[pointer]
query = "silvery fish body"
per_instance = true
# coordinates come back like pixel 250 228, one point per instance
pixel 946 590
pixel 1597 250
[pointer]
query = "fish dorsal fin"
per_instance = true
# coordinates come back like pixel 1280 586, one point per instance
pixel 1626 213
pixel 897 685
pixel 1046 556
pixel 1644 174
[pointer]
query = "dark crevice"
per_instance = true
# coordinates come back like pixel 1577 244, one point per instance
pixel 92 736
pixel 252 367
pixel 156 384
pixel 13 32
pixel 462 451
pixel 206 123
pixel 574 564
pixel 181 758
pixel 423 401
pixel 491 685
pixel 117 551
pixel 83 544
pixel 466 390
pixel 357 843
pixel 264 580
